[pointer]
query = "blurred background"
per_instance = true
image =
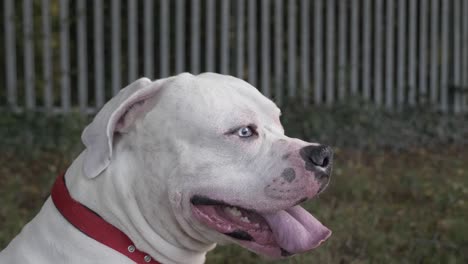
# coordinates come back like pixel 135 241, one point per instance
pixel 383 81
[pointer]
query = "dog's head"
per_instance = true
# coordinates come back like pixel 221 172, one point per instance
pixel 211 152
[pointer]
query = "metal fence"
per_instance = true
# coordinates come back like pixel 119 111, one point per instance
pixel 62 55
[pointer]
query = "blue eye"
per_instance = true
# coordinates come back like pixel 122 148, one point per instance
pixel 245 132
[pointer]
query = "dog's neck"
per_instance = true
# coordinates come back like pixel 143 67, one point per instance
pixel 111 197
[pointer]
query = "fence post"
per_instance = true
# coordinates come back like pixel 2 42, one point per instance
pixel 265 52
pixel 82 53
pixel 389 56
pixel 278 51
pixel 225 33
pixel 401 48
pixel 434 48
pixel 10 53
pixel 65 56
pixel 318 71
pixel 210 38
pixel 366 71
pixel 148 55
pixel 180 38
pixel 99 54
pixel 29 76
pixel 355 5
pixel 330 40
pixel 423 20
pixel 457 95
pixel 252 32
pixel 305 61
pixel 444 57
pixel 342 54
pixel 240 39
pixel 116 13
pixel 195 37
pixel 46 55
pixel 465 57
pixel 292 10
pixel 132 38
pixel 377 67
pixel 164 38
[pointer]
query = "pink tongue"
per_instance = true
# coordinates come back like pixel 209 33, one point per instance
pixel 296 230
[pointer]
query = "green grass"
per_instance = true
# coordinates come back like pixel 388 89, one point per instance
pixel 402 202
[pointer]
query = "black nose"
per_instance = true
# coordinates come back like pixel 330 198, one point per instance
pixel 317 157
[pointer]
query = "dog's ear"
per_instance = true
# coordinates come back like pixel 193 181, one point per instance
pixel 117 116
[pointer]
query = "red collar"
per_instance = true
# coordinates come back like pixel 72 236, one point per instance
pixel 92 225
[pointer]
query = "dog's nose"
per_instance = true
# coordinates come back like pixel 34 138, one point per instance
pixel 320 157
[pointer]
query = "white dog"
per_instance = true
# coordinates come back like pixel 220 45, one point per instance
pixel 171 168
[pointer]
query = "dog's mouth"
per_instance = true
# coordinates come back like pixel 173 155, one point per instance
pixel 278 234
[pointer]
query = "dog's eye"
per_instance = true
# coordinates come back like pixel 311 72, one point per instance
pixel 245 132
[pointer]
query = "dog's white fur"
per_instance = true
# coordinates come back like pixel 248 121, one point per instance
pixel 147 151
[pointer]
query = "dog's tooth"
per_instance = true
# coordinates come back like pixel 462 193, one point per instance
pixel 245 219
pixel 233 211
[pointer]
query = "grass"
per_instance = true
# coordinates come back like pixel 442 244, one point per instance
pixel 399 192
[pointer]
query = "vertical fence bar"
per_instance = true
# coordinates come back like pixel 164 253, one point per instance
pixel 115 6
pixel 318 71
pixel 64 55
pixel 330 95
pixel 278 27
pixel 389 56
pixel 225 32
pixel 444 56
pixel 265 53
pixel 401 48
pixel 10 53
pixel 210 33
pixel 292 48
pixel 195 37
pixel 412 16
pixel 180 37
pixel 99 88
pixel 82 56
pixel 342 69
pixel 46 54
pixel 465 56
pixel 148 39
pixel 252 44
pixel 366 50
pixel 355 7
pixel 132 40
pixel 29 55
pixel 456 56
pixel 434 48
pixel 378 52
pixel 305 61
pixel 423 20
pixel 240 39
pixel 164 38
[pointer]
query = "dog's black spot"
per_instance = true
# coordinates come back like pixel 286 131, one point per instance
pixel 288 174
pixel 240 234
pixel 285 253
pixel 203 200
